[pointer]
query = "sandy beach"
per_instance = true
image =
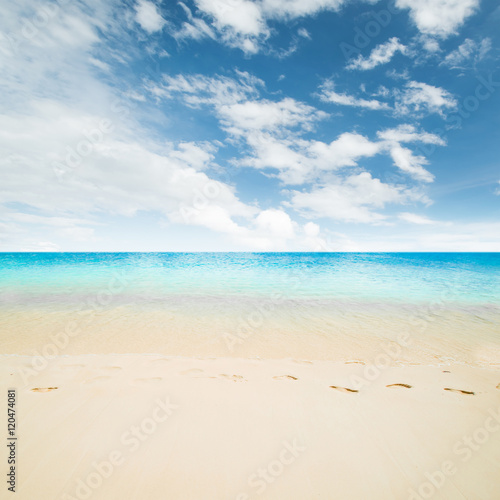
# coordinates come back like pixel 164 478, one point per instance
pixel 151 426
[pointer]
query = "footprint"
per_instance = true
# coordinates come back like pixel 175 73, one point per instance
pixel 446 371
pixel 399 385
pixel 44 389
pixel 147 381
pixel 234 378
pixel 343 389
pixel 96 380
pixel 459 390
pixel 285 377
pixel 354 362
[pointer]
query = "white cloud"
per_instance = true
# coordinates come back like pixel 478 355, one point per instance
pixel 311 229
pixel 408 133
pixel 350 200
pixel 243 17
pixel 244 23
pixel 497 192
pixel 440 18
pixel 196 90
pixel 291 9
pixel 272 129
pixel 415 219
pixel 196 29
pixel 418 97
pixel 411 164
pixel 468 50
pixel 304 33
pixel 240 22
pixel 430 44
pixel 381 54
pixel 403 157
pixel 236 103
pixel 246 116
pixel 299 161
pixel 328 94
pixel 148 16
pixel 275 222
pixel 65 172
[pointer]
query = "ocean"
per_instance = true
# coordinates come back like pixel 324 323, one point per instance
pixel 299 305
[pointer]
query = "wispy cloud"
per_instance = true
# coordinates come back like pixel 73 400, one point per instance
pixel 415 219
pixel 469 50
pixel 381 54
pixel 351 199
pixel 328 94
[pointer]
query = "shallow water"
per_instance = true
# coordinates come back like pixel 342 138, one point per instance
pixel 322 306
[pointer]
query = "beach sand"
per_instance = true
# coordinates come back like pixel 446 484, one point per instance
pixel 144 426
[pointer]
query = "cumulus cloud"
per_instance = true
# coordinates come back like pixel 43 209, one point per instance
pixel 148 16
pixel 66 173
pixel 275 222
pixel 273 131
pixel 352 199
pixel 244 23
pixel 419 98
pixel 243 117
pixel 299 161
pixel 240 23
pixel 440 18
pixel 381 54
pixel 328 94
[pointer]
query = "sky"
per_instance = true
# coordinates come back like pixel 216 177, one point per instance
pixel 238 125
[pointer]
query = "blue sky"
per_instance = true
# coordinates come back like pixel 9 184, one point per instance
pixel 237 125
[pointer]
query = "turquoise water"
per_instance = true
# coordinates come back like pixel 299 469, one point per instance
pixel 462 278
pixel 338 306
